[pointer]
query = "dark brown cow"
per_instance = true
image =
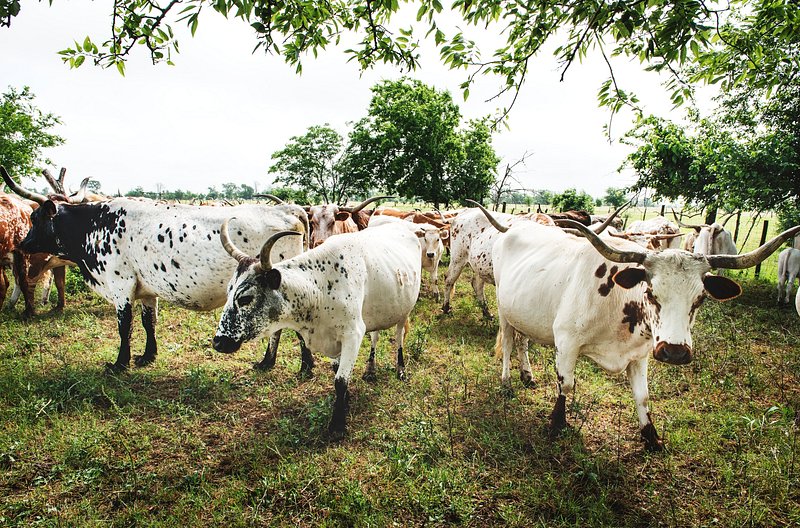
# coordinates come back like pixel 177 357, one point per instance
pixel 582 217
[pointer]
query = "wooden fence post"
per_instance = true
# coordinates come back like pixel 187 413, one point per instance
pixel 662 209
pixel 736 229
pixel 757 272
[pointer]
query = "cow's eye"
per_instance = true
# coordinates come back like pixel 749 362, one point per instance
pixel 244 300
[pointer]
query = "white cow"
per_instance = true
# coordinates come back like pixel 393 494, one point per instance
pixel 655 233
pixel 608 299
pixel 714 240
pixel 788 271
pixel 431 241
pixel 332 295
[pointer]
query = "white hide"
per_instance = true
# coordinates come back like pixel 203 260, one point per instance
pixel 714 240
pixel 788 271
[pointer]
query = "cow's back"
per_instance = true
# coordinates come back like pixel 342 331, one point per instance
pixel 15 221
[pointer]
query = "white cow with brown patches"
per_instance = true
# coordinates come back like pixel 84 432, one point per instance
pixel 608 299
pixel 332 295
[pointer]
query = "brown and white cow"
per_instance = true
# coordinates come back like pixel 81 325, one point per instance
pixel 608 299
pixel 15 221
pixel 655 233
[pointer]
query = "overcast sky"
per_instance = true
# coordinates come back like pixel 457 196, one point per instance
pixel 219 114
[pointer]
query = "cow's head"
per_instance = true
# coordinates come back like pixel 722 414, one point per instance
pixel 42 236
pixel 254 299
pixel 323 218
pixel 431 238
pixel 673 284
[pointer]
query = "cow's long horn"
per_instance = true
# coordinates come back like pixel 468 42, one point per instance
pixel 365 203
pixel 57 188
pixel 697 227
pixel 444 220
pixel 80 196
pixel 607 222
pixel 500 227
pixel 754 257
pixel 270 197
pixel 612 254
pixel 14 186
pixel 225 238
pixel 266 249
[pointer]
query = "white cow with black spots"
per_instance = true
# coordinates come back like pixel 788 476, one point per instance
pixel 608 299
pixel 332 295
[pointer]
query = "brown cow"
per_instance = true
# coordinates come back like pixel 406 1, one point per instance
pixel 15 221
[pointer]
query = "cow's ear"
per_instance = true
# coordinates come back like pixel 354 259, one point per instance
pixel 630 277
pixel 444 233
pixel 420 233
pixel 721 288
pixel 270 279
pixel 49 207
pixel 342 216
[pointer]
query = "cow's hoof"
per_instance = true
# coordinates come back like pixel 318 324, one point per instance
pixel 446 308
pixel 335 434
pixel 263 366
pixel 305 374
pixel 115 368
pixel 527 379
pixel 652 443
pixel 401 375
pixel 556 429
pixel 143 360
pixel 506 390
pixel 369 375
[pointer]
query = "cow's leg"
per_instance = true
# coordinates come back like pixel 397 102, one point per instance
pixel 347 360
pixel 271 353
pixel 47 284
pixel 306 359
pixel 4 282
pixel 369 370
pixel 60 278
pixel 400 362
pixel 790 284
pixel 637 376
pixel 149 320
pixel 435 279
pixel 566 356
pixel 15 293
pixel 505 344
pixel 124 319
pixel 525 373
pixel 478 286
pixel 453 273
pixel 20 275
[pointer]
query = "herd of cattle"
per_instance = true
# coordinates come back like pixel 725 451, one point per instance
pixel 331 274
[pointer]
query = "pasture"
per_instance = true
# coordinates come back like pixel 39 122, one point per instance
pixel 199 438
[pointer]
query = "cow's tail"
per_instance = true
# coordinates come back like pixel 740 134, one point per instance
pixel 498 343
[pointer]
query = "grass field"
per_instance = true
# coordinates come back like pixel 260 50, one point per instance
pixel 200 439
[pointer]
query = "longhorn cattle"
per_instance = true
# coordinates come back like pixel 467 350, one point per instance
pixel 655 233
pixel 330 219
pixel 130 249
pixel 708 239
pixel 431 241
pixel 608 299
pixel 332 295
pixel 788 271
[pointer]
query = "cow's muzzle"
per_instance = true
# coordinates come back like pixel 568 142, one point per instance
pixel 673 354
pixel 430 254
pixel 226 344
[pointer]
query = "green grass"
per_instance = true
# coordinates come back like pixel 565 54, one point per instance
pixel 200 439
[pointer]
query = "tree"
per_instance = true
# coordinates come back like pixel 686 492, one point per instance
pixel 571 200
pixel 314 161
pixel 502 186
pixel 411 145
pixel 741 42
pixel 614 197
pixel 24 132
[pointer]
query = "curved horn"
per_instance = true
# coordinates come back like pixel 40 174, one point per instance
pixel 365 203
pixel 687 226
pixel 500 227
pixel 754 257
pixel 225 238
pixel 612 254
pixel 14 186
pixel 607 222
pixel 266 249
pixel 444 220
pixel 270 197
pixel 80 196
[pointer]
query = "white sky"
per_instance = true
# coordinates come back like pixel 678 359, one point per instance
pixel 219 114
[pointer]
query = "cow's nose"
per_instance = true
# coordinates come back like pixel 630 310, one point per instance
pixel 226 344
pixel 673 354
pixel 430 254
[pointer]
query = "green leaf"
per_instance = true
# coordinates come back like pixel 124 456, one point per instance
pixel 87 45
pixel 121 67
